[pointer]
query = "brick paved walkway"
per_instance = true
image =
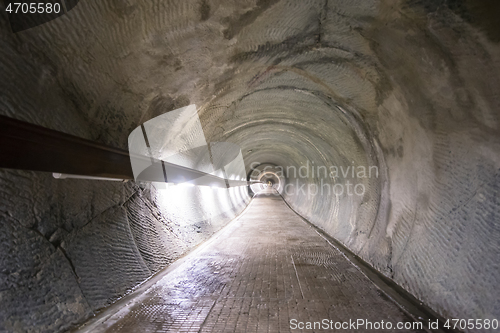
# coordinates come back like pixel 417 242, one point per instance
pixel 261 271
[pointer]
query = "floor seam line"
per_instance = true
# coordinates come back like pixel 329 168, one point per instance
pixel 208 314
pixel 298 280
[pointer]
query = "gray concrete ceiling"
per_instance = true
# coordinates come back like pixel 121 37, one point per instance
pixel 410 87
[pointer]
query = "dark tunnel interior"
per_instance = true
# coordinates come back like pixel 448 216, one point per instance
pixel 373 123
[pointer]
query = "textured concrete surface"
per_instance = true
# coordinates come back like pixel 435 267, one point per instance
pixel 76 246
pixel 410 86
pixel 260 272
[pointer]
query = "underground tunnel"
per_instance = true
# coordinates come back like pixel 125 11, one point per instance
pixel 341 164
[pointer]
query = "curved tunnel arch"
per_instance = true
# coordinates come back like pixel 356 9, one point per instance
pixel 304 135
pixel 407 86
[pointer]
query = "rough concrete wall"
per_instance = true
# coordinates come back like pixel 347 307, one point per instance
pixel 409 86
pixel 417 98
pixel 398 85
pixel 71 247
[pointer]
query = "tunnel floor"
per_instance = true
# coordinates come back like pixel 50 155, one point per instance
pixel 263 270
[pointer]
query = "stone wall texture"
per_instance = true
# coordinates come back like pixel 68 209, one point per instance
pixel 408 86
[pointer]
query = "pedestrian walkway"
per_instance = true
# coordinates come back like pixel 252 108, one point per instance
pixel 268 271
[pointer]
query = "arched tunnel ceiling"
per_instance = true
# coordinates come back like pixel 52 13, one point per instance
pixel 125 62
pixel 408 86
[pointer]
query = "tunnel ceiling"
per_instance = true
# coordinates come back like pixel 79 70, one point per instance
pixel 408 86
pixel 124 62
